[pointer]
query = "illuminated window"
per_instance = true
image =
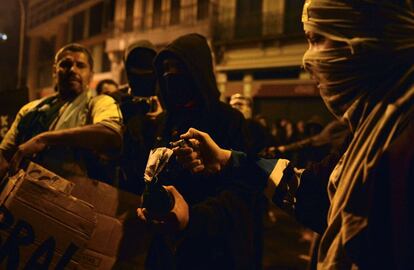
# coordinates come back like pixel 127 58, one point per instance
pixel 248 18
pixel 202 9
pixel 78 22
pixel 156 14
pixel 96 19
pixel 129 15
pixel 175 12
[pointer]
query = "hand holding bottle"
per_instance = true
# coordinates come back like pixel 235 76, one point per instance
pixel 170 222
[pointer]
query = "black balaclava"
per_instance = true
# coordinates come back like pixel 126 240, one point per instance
pixel 180 88
pixel 139 69
pixel 192 97
pixel 198 82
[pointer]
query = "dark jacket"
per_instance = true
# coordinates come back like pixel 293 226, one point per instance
pixel 222 229
pixel 390 233
pixel 223 123
pixel 139 138
pixel 140 131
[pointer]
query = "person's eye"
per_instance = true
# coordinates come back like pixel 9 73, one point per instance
pixel 81 65
pixel 65 64
pixel 313 40
pixel 316 39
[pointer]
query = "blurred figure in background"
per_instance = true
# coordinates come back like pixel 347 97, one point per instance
pixel 300 129
pixel 290 130
pixel 262 120
pixel 242 104
pixel 106 86
pixel 313 126
pixel 142 112
pixel 283 131
pixel 257 136
pixel 316 147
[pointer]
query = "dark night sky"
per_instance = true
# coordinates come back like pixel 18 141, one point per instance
pixel 9 24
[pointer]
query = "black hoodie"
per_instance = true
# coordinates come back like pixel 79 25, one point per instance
pixel 222 229
pixel 222 122
pixel 141 131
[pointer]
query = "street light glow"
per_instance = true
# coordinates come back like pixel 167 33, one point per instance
pixel 3 36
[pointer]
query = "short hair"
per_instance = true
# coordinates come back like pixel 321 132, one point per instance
pixel 101 83
pixel 75 47
pixel 241 99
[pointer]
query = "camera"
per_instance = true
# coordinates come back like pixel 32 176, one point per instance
pixel 145 104
pixel 132 104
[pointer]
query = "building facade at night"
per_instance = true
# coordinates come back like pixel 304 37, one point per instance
pixel 54 23
pixel 258 44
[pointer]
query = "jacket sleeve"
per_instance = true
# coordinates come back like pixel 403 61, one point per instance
pixel 311 198
pixel 105 111
pixel 301 193
pixel 224 225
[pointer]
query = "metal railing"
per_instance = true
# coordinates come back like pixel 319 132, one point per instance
pixel 187 15
pixel 48 9
pixel 223 22
pixel 227 27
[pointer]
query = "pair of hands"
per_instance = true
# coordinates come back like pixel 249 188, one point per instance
pixel 158 109
pixel 202 155
pixel 28 149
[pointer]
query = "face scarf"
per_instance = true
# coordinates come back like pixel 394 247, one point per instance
pixel 369 79
pixel 143 84
pixel 139 70
pixel 179 90
pixel 345 74
pixel 351 74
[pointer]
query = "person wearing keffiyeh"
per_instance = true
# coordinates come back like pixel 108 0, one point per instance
pixel 361 56
pixel 64 131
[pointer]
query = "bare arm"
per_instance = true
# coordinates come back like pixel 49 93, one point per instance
pixel 94 137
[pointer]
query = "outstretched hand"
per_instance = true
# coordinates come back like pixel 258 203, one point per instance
pixel 203 155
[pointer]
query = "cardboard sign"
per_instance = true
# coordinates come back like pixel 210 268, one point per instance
pixel 42 226
pixel 47 222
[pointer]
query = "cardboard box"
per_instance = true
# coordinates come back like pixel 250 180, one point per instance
pixel 120 239
pixel 41 223
pixel 78 224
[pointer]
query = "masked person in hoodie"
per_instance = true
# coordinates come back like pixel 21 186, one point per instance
pixel 142 114
pixel 215 238
pixel 361 56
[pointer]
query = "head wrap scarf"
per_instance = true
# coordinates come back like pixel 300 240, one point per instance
pixel 368 82
pixel 378 37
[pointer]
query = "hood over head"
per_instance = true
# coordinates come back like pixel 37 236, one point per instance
pixel 193 51
pixel 376 57
pixel 139 47
pixel 138 59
